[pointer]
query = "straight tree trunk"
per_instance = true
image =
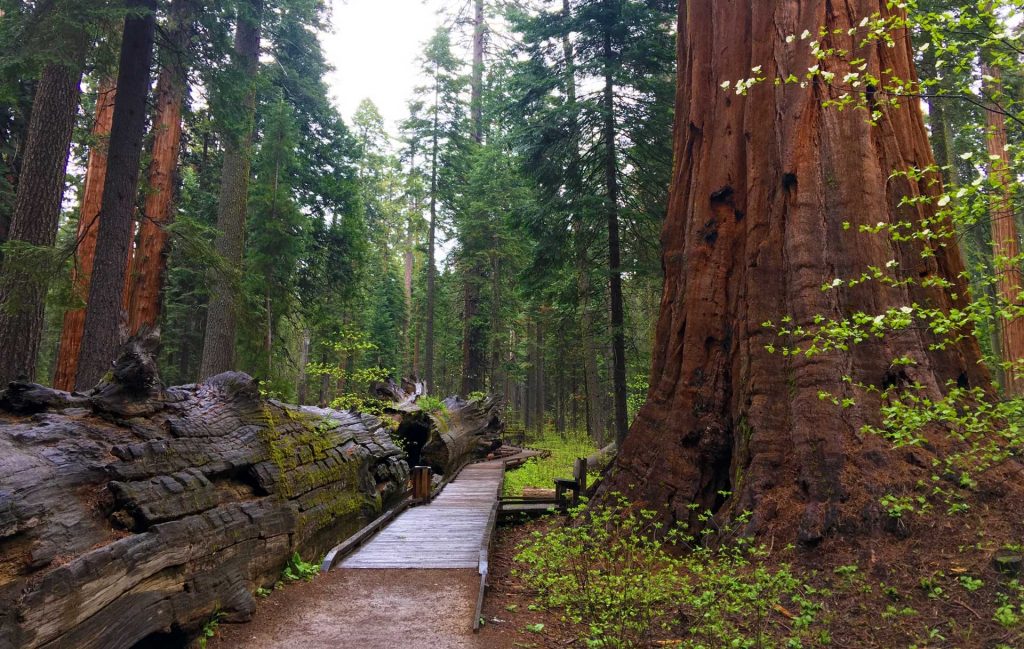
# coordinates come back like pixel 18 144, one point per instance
pixel 149 262
pixel 595 398
pixel 1005 238
pixel 497 367
pixel 409 261
pixel 102 335
pixel 428 343
pixel 539 397
pixel 222 314
pixel 621 423
pixel 474 347
pixel 36 216
pixel 303 383
pixel 761 187
pixel 85 249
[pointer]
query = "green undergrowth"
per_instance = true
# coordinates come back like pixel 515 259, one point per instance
pixel 624 580
pixel 541 472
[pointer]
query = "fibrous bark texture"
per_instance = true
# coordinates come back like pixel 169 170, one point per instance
pixel 135 512
pixel 102 332
pixel 1005 239
pixel 85 248
pixel 36 213
pixel 149 261
pixel 222 315
pixel 761 188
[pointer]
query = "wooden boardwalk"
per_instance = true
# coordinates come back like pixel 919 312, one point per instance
pixel 447 533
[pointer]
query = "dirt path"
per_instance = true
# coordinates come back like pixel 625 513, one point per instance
pixel 365 609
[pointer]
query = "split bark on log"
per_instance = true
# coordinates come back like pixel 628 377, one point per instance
pixel 446 439
pixel 136 511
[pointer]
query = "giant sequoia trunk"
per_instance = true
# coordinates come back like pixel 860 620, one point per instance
pixel 135 512
pixel 149 262
pixel 85 245
pixel 35 218
pixel 1005 239
pixel 102 332
pixel 222 315
pixel 761 187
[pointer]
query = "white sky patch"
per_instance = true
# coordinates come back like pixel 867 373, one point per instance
pixel 374 49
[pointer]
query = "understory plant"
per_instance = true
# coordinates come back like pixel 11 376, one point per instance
pixel 627 579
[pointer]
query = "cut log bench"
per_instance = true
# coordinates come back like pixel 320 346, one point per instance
pixel 130 514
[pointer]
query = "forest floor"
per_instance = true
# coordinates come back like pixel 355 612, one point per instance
pixel 902 594
pixel 366 609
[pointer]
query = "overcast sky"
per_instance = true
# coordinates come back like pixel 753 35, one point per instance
pixel 373 48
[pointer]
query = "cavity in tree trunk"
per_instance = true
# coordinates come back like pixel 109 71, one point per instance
pixel 102 332
pixel 35 218
pixel 1005 239
pixel 149 262
pixel 222 314
pixel 85 248
pixel 761 187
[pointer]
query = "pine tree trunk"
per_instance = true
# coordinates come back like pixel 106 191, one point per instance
pixel 428 343
pixel 102 333
pixel 474 347
pixel 35 218
pixel 497 366
pixel 595 397
pixel 222 314
pixel 761 187
pixel 149 262
pixel 1005 238
pixel 88 225
pixel 302 389
pixel 621 423
pixel 539 397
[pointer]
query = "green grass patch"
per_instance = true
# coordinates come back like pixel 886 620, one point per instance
pixel 541 472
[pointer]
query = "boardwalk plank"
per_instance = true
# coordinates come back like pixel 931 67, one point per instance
pixel 447 533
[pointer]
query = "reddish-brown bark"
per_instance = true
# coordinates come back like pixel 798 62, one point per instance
pixel 85 251
pixel 1005 239
pixel 150 259
pixel 761 187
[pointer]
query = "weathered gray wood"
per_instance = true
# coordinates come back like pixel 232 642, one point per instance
pixel 459 433
pixel 447 533
pixel 136 509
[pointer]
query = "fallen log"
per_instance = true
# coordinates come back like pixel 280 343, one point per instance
pixel 447 435
pixel 130 515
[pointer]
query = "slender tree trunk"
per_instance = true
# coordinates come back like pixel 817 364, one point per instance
pixel 409 261
pixel 85 249
pixel 149 262
pixel 428 343
pixel 222 314
pixel 595 398
pixel 102 335
pixel 761 187
pixel 302 389
pixel 540 397
pixel 614 255
pixel 497 367
pixel 474 346
pixel 1005 238
pixel 35 218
